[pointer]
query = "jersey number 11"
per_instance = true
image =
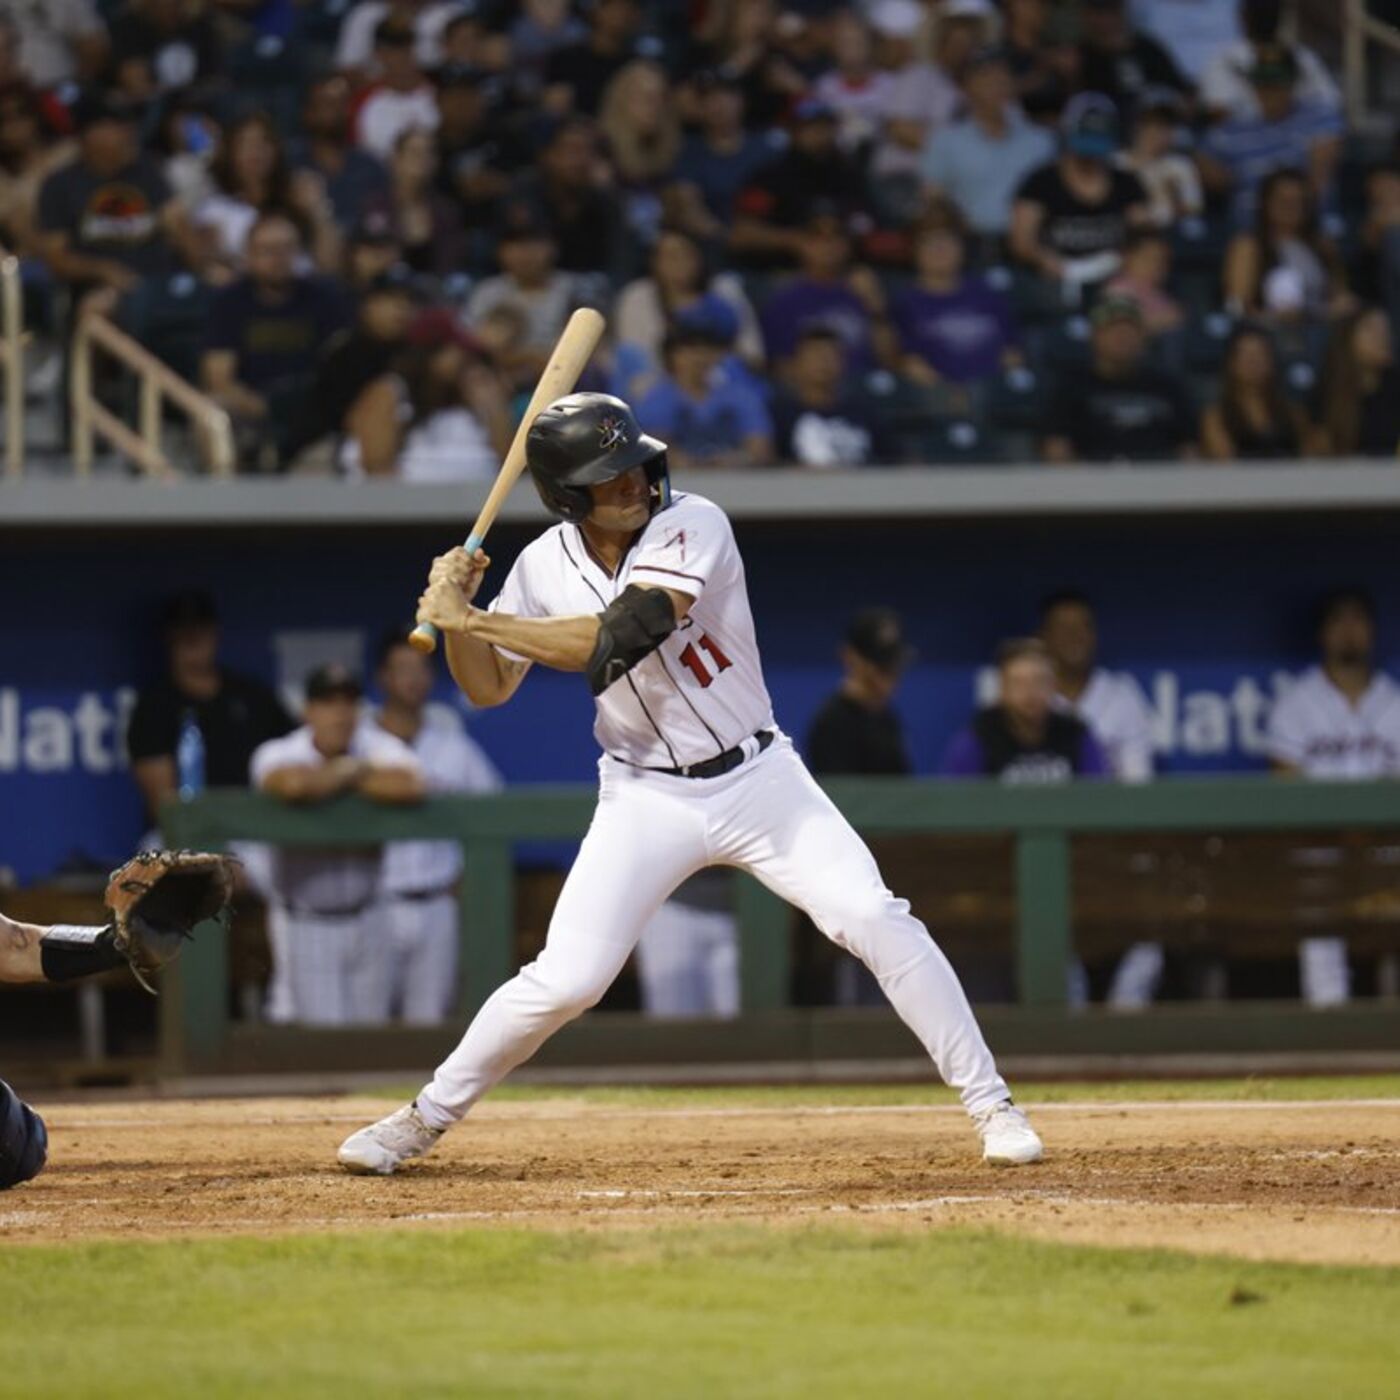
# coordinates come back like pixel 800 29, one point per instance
pixel 690 659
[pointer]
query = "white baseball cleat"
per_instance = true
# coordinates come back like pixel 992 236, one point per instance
pixel 383 1147
pixel 1008 1140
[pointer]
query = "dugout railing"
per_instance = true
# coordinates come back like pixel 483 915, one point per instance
pixel 200 1034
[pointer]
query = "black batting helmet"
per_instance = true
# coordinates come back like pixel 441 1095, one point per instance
pixel 583 439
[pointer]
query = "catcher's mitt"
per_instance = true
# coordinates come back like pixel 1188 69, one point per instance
pixel 158 897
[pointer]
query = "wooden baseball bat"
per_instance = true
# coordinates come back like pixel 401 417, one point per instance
pixel 577 343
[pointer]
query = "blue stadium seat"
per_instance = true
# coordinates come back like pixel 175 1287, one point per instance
pixel 1016 399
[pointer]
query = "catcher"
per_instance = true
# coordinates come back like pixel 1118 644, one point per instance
pixel 155 900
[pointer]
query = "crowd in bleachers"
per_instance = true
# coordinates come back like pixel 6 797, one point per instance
pixel 824 233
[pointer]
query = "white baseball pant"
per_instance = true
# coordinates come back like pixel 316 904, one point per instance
pixel 423 943
pixel 688 962
pixel 650 832
pixel 337 968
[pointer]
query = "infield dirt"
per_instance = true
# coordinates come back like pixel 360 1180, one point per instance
pixel 1311 1182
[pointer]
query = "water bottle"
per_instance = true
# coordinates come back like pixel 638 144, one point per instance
pixel 189 757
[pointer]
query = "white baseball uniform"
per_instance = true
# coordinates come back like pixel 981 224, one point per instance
pixel 336 955
pixel 701 694
pixel 420 878
pixel 1316 729
pixel 1113 706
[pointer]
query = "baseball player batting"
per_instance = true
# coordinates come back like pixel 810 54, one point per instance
pixel 155 900
pixel 644 593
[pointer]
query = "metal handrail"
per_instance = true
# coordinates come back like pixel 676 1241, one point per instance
pixel 1361 27
pixel 12 360
pixel 159 383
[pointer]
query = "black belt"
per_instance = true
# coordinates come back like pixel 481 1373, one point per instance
pixel 721 763
pixel 305 912
pixel 418 896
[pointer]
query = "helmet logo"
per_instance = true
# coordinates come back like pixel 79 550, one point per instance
pixel 612 434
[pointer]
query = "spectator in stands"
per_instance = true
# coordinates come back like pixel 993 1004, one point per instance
pixel 564 192
pixel 1360 389
pixel 233 712
pixel 1192 31
pixel 1118 408
pixel 1375 260
pixel 162 46
pixel 1044 63
pixel 442 417
pixel 830 289
pixel 1289 133
pixel 1340 721
pixel 717 160
pixel 401 98
pixel 1071 217
pixel 857 730
pixel 530 283
pixel 1120 61
pixel 356 52
pixel 252 176
pixel 952 325
pixel 265 332
pixel 1169 177
pixel 1226 91
pixel 479 148
pixel 337 960
pixel 420 878
pixel 641 132
pixel 1144 275
pixel 820 418
pixel 107 219
pixel 745 38
pixel 1253 419
pixel 61 41
pixel 372 250
pixel 577 76
pixel 427 224
pixel 854 88
pixel 706 419
pixel 980 161
pixel 355 357
pixel 1285 236
pixel 677 285
pixel 354 179
pixel 30 151
pixel 1024 738
pixel 813 174
pixel 918 100
pixel 542 29
pixel 471 40
pixel 186 138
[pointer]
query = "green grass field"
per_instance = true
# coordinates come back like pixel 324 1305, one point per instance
pixel 684 1310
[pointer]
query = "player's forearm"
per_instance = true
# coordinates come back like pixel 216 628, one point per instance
pixel 562 643
pixel 20 953
pixel 395 786
pixel 299 783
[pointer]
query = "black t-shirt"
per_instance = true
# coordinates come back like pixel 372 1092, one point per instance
pixel 116 217
pixel 586 224
pixel 586 72
pixel 1057 757
pixel 1073 228
pixel 1379 434
pixel 1125 75
pixel 846 737
pixel 1144 416
pixel 850 433
pixel 241 716
pixel 177 57
pixel 787 190
pixel 276 343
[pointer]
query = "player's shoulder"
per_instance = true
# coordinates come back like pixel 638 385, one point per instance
pixel 1306 696
pixel 689 510
pixel 295 747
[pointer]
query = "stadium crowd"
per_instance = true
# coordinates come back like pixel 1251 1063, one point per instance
pixel 825 233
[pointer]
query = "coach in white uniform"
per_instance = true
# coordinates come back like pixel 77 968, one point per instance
pixel 646 596
pixel 421 877
pixel 1112 704
pixel 1339 720
pixel 337 955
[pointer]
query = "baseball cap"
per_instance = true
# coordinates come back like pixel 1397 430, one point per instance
pixel 896 19
pixel 1090 125
pixel 877 634
pixel 1274 65
pixel 1116 306
pixel 333 681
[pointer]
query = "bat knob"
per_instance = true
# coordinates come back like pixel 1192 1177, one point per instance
pixel 424 638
